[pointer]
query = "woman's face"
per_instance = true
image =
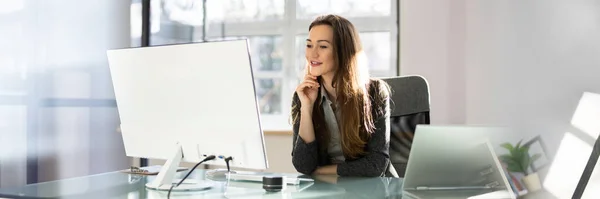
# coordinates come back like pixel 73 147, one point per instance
pixel 319 51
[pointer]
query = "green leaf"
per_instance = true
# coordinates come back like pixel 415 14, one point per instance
pixel 518 159
pixel 507 146
pixel 525 162
pixel 505 158
pixel 516 154
pixel 513 166
pixel 535 157
pixel 524 150
pixel 518 144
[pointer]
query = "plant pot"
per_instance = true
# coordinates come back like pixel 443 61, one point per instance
pixel 532 182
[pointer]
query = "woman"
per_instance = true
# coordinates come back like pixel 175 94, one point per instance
pixel 340 115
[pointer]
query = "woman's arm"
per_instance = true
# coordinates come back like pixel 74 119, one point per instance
pixel 377 159
pixel 304 153
pixel 326 170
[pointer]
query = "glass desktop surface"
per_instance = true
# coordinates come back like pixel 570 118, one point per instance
pixel 123 185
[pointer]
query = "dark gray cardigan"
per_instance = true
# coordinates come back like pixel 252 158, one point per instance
pixel 306 157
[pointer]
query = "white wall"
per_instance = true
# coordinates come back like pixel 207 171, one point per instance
pixel 504 62
pixel 432 45
pixel 279 153
pixel 524 64
pixel 528 63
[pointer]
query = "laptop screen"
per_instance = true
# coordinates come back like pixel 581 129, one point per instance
pixel 454 158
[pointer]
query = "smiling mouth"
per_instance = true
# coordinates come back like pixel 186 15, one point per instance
pixel 315 63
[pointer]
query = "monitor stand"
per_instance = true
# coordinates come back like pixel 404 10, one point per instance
pixel 165 177
pixel 218 174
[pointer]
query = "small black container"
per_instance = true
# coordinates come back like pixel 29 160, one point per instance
pixel 273 183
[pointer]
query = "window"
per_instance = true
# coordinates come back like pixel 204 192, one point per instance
pixel 308 9
pixel 276 30
pixel 56 100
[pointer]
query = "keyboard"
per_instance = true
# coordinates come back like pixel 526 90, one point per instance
pixel 259 178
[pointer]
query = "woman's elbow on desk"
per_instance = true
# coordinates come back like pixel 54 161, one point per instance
pixel 373 166
pixel 302 166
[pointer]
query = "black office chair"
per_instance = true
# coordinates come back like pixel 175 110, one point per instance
pixel 409 107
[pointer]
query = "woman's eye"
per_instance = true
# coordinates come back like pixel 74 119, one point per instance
pixel 323 47
pixel 308 46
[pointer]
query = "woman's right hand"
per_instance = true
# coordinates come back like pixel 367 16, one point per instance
pixel 308 90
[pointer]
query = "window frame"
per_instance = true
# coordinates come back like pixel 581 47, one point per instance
pixel 288 28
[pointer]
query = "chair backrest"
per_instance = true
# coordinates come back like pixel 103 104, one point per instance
pixel 409 107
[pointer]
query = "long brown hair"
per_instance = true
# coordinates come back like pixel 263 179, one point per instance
pixel 351 81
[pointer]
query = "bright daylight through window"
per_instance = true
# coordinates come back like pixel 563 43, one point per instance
pixel 276 30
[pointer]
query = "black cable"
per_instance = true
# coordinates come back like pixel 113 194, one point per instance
pixel 212 157
pixel 228 171
pixel 227 162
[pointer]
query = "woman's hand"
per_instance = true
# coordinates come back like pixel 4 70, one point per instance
pixel 326 170
pixel 331 179
pixel 308 90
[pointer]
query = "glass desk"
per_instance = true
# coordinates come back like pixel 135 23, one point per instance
pixel 130 186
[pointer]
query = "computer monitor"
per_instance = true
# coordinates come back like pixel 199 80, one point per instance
pixel 187 101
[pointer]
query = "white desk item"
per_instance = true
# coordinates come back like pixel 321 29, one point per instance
pixel 259 178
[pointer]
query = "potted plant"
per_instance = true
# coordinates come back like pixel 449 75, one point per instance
pixel 518 160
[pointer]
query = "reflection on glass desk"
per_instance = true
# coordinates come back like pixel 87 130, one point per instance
pixel 123 185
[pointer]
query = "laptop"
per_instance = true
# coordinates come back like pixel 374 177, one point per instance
pixel 455 162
